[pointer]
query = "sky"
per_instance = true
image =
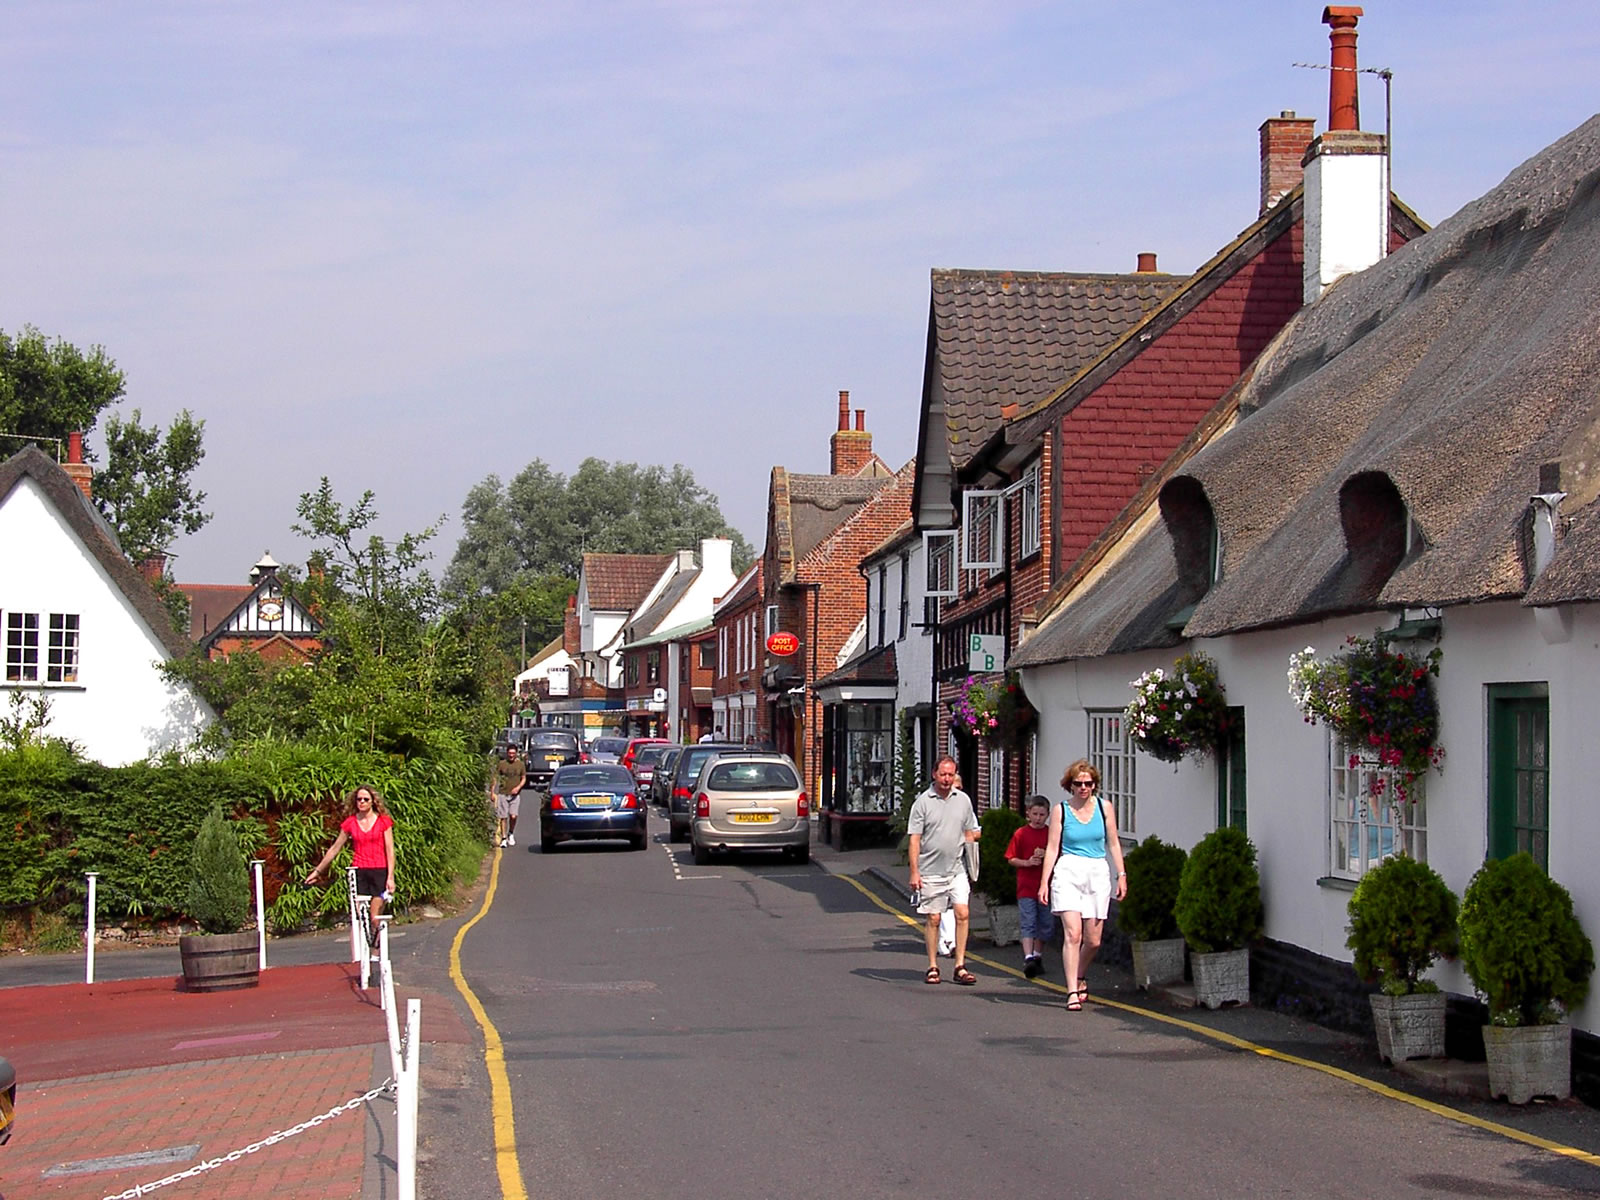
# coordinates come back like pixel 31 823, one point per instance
pixel 407 246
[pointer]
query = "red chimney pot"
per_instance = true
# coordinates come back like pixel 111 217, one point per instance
pixel 844 410
pixel 75 447
pixel 1344 102
pixel 861 420
pixel 1147 262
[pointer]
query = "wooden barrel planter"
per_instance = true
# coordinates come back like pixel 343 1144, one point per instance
pixel 219 962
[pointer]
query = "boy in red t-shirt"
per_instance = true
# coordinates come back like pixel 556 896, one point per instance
pixel 1026 854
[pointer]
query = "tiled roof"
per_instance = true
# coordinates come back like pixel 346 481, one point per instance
pixel 1005 338
pixel 875 666
pixel 210 604
pixel 617 582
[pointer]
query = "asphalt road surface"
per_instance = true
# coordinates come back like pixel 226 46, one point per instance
pixel 755 1028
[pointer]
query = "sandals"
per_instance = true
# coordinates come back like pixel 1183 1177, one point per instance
pixel 1075 1001
pixel 1083 988
pixel 932 976
pixel 963 976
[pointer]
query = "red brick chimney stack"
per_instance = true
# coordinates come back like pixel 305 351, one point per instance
pixel 153 567
pixel 80 472
pixel 1284 139
pixel 1344 101
pixel 850 450
pixel 571 634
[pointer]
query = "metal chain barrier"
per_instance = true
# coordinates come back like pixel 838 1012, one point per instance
pixel 212 1163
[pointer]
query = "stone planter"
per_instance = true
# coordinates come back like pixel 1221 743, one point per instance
pixel 1529 1060
pixel 1221 978
pixel 1158 962
pixel 219 962
pixel 1409 1026
pixel 1005 924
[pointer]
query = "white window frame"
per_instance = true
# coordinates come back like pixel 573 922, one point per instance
pixel 939 553
pixel 772 619
pixel 21 632
pixel 982 513
pixel 997 777
pixel 1363 831
pixel 1029 538
pixel 1114 757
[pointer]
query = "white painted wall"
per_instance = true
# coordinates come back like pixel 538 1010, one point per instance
pixel 1287 782
pixel 120 710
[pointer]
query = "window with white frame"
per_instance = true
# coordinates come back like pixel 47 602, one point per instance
pixel 772 619
pixel 939 555
pixel 1367 820
pixel 1027 502
pixel 905 596
pixel 883 603
pixel 22 647
pixel 1113 755
pixel 982 543
pixel 61 653
pixel 997 778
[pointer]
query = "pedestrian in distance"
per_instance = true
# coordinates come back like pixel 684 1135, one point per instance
pixel 510 774
pixel 370 831
pixel 941 820
pixel 1026 852
pixel 1083 831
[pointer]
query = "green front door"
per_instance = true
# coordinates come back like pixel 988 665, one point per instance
pixel 1519 771
pixel 1230 775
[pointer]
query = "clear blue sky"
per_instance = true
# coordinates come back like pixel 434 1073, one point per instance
pixel 408 245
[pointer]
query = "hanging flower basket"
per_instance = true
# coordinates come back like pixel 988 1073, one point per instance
pixel 1179 712
pixel 1379 702
pixel 997 713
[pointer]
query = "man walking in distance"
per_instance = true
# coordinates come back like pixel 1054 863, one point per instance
pixel 941 820
pixel 509 776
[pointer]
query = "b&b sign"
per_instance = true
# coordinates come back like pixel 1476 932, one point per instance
pixel 985 651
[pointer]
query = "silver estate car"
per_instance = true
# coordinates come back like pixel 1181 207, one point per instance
pixel 750 802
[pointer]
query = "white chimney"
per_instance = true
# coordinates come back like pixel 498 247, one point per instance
pixel 1346 176
pixel 716 557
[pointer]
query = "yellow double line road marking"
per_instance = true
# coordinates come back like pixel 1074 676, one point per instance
pixel 1238 1043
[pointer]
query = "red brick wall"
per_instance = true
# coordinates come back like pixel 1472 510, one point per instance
pixel 1128 426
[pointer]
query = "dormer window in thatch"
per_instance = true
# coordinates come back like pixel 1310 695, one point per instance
pixel 1379 533
pixel 1196 543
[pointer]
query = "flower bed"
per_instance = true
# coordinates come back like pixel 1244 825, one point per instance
pixel 1379 702
pixel 1178 712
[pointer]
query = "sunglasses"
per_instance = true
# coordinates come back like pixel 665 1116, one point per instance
pixel 1088 783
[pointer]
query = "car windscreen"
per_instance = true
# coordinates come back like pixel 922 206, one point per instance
pixel 608 745
pixel 553 740
pixel 648 756
pixel 751 777
pixel 601 777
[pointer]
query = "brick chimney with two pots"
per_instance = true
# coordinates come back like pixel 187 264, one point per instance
pixel 850 450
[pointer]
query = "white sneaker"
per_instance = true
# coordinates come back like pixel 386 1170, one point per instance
pixel 511 839
pixel 502 843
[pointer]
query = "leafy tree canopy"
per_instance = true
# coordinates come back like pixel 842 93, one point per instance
pixel 542 522
pixel 49 388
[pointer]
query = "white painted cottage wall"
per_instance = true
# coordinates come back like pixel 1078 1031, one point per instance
pixel 121 709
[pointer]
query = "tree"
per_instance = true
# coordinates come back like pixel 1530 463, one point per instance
pixel 542 522
pixel 50 388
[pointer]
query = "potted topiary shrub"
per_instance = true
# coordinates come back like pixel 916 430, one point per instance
pixel 218 958
pixel 1530 960
pixel 997 878
pixel 1146 914
pixel 1219 912
pixel 1402 919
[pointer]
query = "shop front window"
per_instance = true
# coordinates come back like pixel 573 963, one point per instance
pixel 864 761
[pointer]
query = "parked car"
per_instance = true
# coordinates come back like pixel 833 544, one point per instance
pixel 592 800
pixel 644 766
pixel 750 802
pixel 605 749
pixel 546 750
pixel 8 1100
pixel 661 781
pixel 680 798
pixel 635 745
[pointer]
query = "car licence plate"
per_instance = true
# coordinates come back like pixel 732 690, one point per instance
pixel 552 759
pixel 592 801
pixel 752 818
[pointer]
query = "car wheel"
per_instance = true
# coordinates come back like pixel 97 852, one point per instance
pixel 801 854
pixel 640 841
pixel 546 844
pixel 702 855
pixel 674 834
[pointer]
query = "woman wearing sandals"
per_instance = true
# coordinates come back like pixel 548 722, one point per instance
pixel 1083 830
pixel 371 831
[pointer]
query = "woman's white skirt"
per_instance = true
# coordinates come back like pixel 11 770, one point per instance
pixel 1081 885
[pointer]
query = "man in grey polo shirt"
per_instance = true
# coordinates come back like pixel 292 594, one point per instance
pixel 941 820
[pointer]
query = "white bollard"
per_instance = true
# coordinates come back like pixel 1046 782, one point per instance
pixel 407 1096
pixel 391 1019
pixel 357 947
pixel 88 959
pixel 385 999
pixel 261 917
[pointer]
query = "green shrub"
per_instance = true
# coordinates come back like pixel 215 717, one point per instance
pixel 1219 893
pixel 1402 918
pixel 1521 943
pixel 219 888
pixel 1155 868
pixel 997 878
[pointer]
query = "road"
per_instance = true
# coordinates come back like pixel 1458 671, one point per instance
pixel 761 1029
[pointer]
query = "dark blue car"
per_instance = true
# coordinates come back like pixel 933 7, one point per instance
pixel 592 800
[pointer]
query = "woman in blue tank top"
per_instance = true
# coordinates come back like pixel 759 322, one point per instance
pixel 1077 884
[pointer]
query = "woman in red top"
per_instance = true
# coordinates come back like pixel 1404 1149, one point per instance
pixel 371 831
